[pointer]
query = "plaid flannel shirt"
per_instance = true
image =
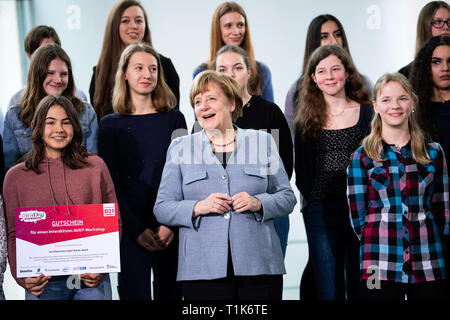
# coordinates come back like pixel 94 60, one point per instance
pixel 400 210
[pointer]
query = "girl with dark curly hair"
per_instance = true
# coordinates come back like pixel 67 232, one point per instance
pixel 430 78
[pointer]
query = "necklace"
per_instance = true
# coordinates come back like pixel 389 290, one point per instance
pixel 226 144
pixel 337 114
pixel 340 112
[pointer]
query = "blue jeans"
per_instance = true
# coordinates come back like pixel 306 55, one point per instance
pixel 333 250
pixel 282 228
pixel 58 289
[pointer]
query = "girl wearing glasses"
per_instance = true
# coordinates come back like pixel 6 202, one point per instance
pixel 434 20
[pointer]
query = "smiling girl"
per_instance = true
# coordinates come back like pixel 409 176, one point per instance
pixel 230 26
pixel 398 198
pixel 433 21
pixel 50 73
pixel 332 118
pixel 127 24
pixel 133 141
pixel 258 114
pixel 57 171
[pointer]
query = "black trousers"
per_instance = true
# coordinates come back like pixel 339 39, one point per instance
pixel 433 290
pixel 136 266
pixel 232 287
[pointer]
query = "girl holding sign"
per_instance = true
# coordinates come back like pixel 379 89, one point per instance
pixel 57 171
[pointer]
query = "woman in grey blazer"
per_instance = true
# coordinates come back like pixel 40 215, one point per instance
pixel 223 187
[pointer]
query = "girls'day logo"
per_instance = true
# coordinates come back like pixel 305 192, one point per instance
pixel 109 210
pixel 32 216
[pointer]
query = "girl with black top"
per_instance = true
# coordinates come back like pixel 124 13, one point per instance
pixel 323 29
pixel 430 78
pixel 333 116
pixel 133 141
pixel 258 114
pixel 127 24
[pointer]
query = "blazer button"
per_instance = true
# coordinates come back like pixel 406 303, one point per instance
pixel 224 176
pixel 226 215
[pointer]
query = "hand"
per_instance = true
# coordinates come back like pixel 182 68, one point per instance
pixel 148 240
pixel 214 203
pixel 164 236
pixel 92 279
pixel 36 286
pixel 244 202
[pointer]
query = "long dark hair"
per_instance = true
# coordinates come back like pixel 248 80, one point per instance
pixel 313 42
pixel 34 91
pixel 112 48
pixel 74 154
pixel 422 81
pixel 311 115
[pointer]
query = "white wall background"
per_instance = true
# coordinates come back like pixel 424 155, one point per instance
pixel 381 36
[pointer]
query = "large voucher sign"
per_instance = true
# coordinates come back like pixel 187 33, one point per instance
pixel 65 240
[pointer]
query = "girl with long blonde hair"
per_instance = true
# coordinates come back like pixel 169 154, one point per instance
pixel 398 199
pixel 133 141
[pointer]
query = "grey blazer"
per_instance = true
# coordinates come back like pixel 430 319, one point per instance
pixel 192 172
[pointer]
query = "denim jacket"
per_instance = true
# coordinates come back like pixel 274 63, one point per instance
pixel 17 137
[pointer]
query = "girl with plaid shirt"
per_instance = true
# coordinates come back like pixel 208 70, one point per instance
pixel 397 189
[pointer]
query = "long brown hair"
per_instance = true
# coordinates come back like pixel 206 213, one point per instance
pixel 216 42
pixel 427 13
pixel 35 36
pixel 74 154
pixel 311 114
pixel 313 40
pixel 112 48
pixel 162 97
pixel 34 91
pixel 373 142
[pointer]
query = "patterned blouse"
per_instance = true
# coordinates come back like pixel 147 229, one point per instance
pixel 333 150
pixel 400 210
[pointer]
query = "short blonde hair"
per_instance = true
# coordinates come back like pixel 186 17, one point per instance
pixel 228 85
